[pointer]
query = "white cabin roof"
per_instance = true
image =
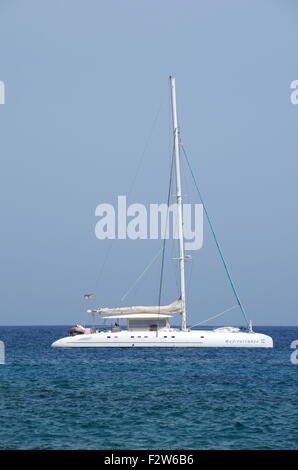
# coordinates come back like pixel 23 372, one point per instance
pixel 141 316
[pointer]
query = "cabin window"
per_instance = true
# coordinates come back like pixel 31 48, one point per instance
pixel 132 336
pixel 173 336
pixel 108 336
pixel 165 336
pixel 151 325
pixel 202 336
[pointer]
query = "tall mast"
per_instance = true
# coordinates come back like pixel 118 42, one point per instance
pixel 179 202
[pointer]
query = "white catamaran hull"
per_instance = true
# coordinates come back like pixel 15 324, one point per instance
pixel 173 338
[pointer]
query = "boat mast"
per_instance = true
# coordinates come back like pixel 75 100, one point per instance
pixel 179 202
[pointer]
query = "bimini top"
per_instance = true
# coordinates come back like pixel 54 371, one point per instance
pixel 143 316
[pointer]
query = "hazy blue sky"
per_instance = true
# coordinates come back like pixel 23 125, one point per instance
pixel 85 81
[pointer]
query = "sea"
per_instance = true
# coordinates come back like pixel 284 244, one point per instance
pixel 138 398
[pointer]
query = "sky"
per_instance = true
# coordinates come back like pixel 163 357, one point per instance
pixel 86 118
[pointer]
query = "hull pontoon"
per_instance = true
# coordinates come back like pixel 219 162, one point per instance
pixel 171 338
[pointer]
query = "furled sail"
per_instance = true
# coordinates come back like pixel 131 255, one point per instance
pixel 174 307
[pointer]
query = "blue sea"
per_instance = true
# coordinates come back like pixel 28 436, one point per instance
pixel 146 398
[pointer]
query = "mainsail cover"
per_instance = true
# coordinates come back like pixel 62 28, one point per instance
pixel 174 307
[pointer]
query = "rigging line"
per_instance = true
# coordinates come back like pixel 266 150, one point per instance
pixel 142 274
pixel 145 148
pixel 190 277
pixel 216 240
pixel 187 199
pixel 174 268
pixel 166 227
pixel 173 243
pixel 130 189
pixel 215 316
pixel 103 264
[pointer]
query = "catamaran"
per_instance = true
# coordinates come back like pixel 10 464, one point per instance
pixel 149 326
